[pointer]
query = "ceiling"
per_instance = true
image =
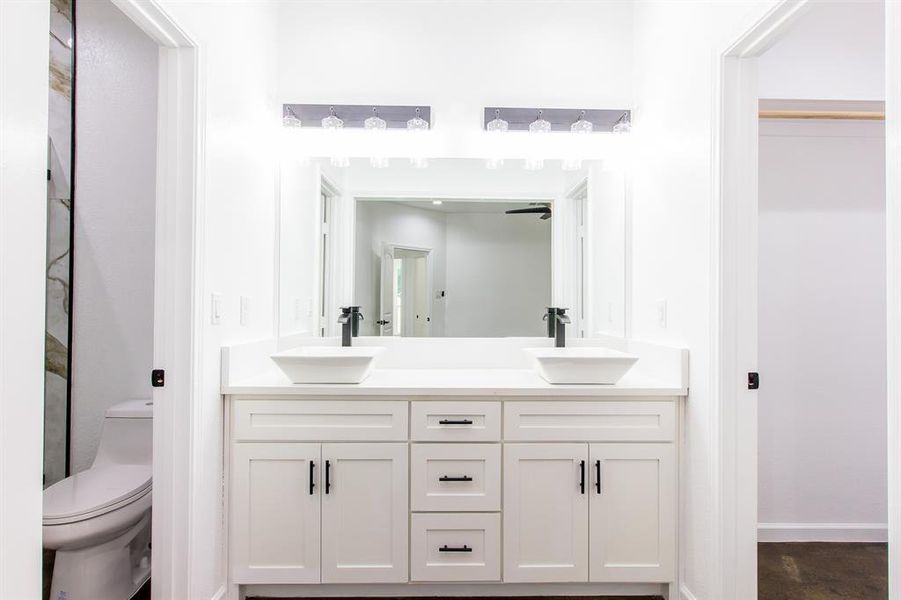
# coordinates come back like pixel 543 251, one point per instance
pixel 458 206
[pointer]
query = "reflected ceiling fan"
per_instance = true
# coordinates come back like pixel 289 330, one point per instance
pixel 534 208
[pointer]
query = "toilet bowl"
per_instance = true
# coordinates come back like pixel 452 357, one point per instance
pixel 98 521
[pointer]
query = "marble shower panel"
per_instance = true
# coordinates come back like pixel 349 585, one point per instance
pixel 59 216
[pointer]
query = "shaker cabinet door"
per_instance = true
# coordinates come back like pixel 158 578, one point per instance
pixel 275 513
pixel 633 512
pixel 364 513
pixel 545 512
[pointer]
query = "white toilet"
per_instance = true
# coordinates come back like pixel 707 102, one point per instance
pixel 98 521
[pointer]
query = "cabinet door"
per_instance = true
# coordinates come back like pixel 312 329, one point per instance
pixel 364 513
pixel 275 513
pixel 633 504
pixel 545 512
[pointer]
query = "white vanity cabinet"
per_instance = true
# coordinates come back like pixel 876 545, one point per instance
pixel 452 491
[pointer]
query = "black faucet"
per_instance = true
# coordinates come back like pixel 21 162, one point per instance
pixel 349 318
pixel 551 318
pixel 561 320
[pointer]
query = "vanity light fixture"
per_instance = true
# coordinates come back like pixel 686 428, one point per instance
pixel 582 126
pixel 290 119
pixel 539 125
pixel 624 124
pixel 332 121
pixel 417 123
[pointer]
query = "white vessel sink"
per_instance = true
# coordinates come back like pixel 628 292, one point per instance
pixel 581 365
pixel 327 364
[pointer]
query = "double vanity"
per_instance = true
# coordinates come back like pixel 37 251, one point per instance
pixel 453 468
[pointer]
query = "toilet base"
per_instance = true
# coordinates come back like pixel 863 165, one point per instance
pixel 113 570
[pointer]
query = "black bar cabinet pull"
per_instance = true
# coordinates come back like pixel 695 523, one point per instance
pixel 455 422
pixel 312 482
pixel 328 481
pixel 582 477
pixel 450 478
pixel 446 548
pixel 597 466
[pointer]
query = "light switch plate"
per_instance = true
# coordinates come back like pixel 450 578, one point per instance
pixel 661 314
pixel 216 309
pixel 245 310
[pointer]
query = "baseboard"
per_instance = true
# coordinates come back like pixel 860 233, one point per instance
pixel 685 594
pixel 822 532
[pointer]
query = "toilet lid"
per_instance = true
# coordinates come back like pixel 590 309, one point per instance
pixel 95 489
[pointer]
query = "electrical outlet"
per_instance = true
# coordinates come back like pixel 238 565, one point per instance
pixel 661 314
pixel 245 310
pixel 216 309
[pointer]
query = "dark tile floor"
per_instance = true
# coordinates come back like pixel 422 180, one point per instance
pixel 818 571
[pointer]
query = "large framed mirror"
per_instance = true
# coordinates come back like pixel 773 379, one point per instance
pixel 451 248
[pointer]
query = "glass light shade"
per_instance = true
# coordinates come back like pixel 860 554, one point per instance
pixel 494 163
pixel 375 122
pixel 340 161
pixel 539 125
pixel 624 125
pixel 497 124
pixel 571 164
pixel 419 162
pixel 332 121
pixel 417 123
pixel 534 164
pixel 379 162
pixel 582 126
pixel 291 120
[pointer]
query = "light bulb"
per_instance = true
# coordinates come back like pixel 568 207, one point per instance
pixel 437 202
pixel 290 119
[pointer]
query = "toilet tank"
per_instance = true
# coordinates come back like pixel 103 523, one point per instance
pixel 126 436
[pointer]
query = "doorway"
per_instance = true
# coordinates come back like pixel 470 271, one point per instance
pixel 406 286
pixel 737 296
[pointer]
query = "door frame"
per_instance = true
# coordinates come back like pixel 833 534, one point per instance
pixel 734 318
pixel 178 278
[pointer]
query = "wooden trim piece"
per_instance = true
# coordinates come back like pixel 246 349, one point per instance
pixel 846 115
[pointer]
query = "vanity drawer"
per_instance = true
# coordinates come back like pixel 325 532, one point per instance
pixel 455 547
pixel 330 420
pixel 598 421
pixel 455 477
pixel 456 421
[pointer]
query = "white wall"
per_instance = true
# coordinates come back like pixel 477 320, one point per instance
pixel 114 212
pixel 498 275
pixel 672 219
pixel 822 327
pixel 835 52
pixel 24 60
pixel 393 223
pixel 239 119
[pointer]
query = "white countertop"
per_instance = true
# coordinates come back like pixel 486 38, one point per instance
pixel 449 382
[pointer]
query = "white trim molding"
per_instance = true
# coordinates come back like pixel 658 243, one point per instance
pixel 822 532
